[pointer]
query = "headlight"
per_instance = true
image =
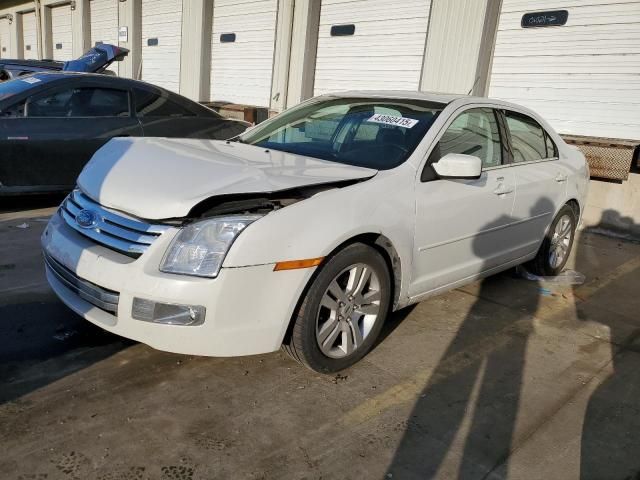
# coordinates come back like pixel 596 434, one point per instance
pixel 199 249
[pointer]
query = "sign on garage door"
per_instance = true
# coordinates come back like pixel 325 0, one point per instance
pixel 5 39
pixel 242 51
pixel 583 77
pixel 104 24
pixel 29 36
pixel 61 35
pixel 161 42
pixel 372 45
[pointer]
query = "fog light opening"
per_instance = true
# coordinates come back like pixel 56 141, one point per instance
pixel 167 313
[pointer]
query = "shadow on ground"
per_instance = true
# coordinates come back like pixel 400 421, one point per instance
pixel 41 339
pixel 464 421
pixel 610 446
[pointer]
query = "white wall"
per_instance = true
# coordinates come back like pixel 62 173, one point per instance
pixel 385 52
pixel 613 206
pixel 584 77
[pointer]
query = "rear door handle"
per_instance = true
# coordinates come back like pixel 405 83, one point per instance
pixel 561 178
pixel 503 190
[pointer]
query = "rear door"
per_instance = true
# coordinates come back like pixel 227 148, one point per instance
pixel 164 115
pixel 50 137
pixel 541 179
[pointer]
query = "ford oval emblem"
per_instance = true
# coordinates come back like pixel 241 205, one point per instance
pixel 87 218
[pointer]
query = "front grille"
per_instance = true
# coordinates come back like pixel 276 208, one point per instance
pixel 102 298
pixel 113 230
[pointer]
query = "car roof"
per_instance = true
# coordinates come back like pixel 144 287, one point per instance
pixel 57 75
pixel 399 94
pixel 437 97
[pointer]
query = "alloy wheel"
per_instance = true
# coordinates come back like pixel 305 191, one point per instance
pixel 348 311
pixel 560 241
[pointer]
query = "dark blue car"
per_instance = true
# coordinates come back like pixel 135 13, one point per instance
pixel 95 60
pixel 51 124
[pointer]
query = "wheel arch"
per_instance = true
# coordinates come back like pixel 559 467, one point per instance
pixel 575 205
pixel 382 245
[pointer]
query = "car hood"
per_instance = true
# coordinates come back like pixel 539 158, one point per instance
pixel 158 178
pixel 96 59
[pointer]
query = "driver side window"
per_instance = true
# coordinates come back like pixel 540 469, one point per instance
pixel 474 132
pixel 80 102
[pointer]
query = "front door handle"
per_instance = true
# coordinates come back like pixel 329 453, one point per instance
pixel 561 178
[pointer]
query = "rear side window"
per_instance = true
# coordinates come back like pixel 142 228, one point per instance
pixel 529 141
pixel 151 104
pixel 81 102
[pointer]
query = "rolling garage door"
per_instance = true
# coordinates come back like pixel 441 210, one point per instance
pixel 161 42
pixel 5 39
pixel 104 24
pixel 29 36
pixel 61 32
pixel 584 76
pixel 366 44
pixel 242 51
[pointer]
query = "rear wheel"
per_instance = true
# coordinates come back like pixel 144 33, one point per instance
pixel 342 312
pixel 556 246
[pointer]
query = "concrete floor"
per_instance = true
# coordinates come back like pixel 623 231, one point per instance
pixel 506 378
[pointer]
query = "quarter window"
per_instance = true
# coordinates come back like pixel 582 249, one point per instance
pixel 81 102
pixel 150 104
pixel 475 132
pixel 529 141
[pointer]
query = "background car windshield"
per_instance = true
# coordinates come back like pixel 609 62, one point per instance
pixel 373 133
pixel 13 87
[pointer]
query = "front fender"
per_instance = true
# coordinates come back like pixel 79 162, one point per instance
pixel 314 227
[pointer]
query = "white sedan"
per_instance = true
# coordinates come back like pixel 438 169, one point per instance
pixel 307 230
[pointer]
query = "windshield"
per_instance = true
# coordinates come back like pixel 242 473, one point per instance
pixel 373 133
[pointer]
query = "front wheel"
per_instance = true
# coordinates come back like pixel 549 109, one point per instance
pixel 342 313
pixel 556 246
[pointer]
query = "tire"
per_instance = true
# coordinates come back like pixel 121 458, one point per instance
pixel 323 337
pixel 559 239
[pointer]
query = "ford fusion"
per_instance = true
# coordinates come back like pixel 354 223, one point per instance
pixel 307 230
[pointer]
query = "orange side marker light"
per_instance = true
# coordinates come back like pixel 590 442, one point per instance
pixel 296 264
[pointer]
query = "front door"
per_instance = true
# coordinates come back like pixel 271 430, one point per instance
pixel 462 226
pixel 49 142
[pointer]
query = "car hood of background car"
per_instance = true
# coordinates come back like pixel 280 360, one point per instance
pixel 158 178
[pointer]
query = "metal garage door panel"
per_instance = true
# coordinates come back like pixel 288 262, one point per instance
pixel 583 77
pixel 241 71
pixel 62 37
pixel 161 42
pixel 5 39
pixel 386 51
pixel 104 24
pixel 29 36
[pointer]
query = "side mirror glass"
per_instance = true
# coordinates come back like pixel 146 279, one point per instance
pixel 458 165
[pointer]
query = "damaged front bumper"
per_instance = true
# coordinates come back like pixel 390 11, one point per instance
pixel 245 310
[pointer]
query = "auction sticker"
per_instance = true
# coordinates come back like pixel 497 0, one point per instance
pixel 30 80
pixel 393 120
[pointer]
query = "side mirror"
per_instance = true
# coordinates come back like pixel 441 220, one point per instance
pixel 458 165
